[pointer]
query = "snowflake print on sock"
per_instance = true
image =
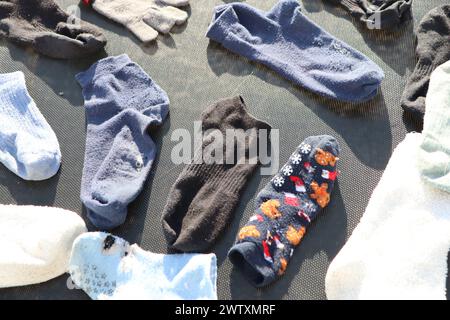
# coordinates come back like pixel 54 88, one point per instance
pixel 287 170
pixel 305 148
pixel 296 158
pixel 278 181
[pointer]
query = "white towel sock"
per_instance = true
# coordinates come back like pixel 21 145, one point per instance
pixel 35 243
pixel 28 145
pixel 399 248
pixel 108 268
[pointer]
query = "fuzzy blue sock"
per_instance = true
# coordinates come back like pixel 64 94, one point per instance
pixel 121 102
pixel 289 43
pixel 284 209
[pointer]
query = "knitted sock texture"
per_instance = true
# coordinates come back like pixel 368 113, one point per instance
pixel 35 243
pixel 42 25
pixel 107 267
pixel 378 14
pixel 292 45
pixel 28 145
pixel 433 49
pixel 121 103
pixel 434 154
pixel 284 209
pixel 202 201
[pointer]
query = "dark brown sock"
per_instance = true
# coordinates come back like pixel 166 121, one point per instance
pixel 203 199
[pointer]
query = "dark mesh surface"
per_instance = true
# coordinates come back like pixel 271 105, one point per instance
pixel 195 73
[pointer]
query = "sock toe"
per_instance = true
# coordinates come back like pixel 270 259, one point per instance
pixel 39 165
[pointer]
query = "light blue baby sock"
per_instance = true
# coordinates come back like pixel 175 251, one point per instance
pixel 28 145
pixel 109 268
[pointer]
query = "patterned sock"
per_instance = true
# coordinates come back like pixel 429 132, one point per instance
pixel 201 203
pixel 121 102
pixel 284 209
pixel 28 145
pixel 108 268
pixel 288 42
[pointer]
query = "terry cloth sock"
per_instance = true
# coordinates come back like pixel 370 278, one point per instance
pixel 144 18
pixel 433 49
pixel 107 268
pixel 399 248
pixel 121 103
pixel 202 201
pixel 378 14
pixel 35 243
pixel 284 209
pixel 28 145
pixel 288 42
pixel 48 29
pixel 434 154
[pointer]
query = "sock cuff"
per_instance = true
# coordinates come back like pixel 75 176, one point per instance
pixel 14 77
pixel 352 6
pixel 102 67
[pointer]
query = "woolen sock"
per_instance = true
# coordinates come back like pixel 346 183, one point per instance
pixel 144 18
pixel 121 103
pixel 434 153
pixel 288 42
pixel 202 201
pixel 389 13
pixel 433 49
pixel 28 145
pixel 399 248
pixel 42 25
pixel 35 243
pixel 284 209
pixel 109 268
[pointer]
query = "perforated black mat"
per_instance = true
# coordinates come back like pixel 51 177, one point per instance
pixel 195 73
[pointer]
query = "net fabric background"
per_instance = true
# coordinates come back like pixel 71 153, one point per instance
pixel 195 73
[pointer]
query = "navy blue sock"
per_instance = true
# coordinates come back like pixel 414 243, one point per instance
pixel 284 209
pixel 121 102
pixel 289 43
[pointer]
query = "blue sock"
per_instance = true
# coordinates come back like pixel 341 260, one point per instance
pixel 289 43
pixel 284 209
pixel 121 102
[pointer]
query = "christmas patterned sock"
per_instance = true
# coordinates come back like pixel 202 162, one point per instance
pixel 284 209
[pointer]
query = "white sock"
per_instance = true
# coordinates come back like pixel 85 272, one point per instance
pixel 434 154
pixel 399 248
pixel 28 145
pixel 107 267
pixel 35 243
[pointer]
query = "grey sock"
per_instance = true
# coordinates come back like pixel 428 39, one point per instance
pixel 121 102
pixel 48 29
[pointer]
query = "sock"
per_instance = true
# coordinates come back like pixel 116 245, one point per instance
pixel 121 102
pixel 378 14
pixel 434 153
pixel 202 201
pixel 399 248
pixel 433 49
pixel 35 243
pixel 108 268
pixel 288 42
pixel 145 18
pixel 42 25
pixel 28 145
pixel 284 209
